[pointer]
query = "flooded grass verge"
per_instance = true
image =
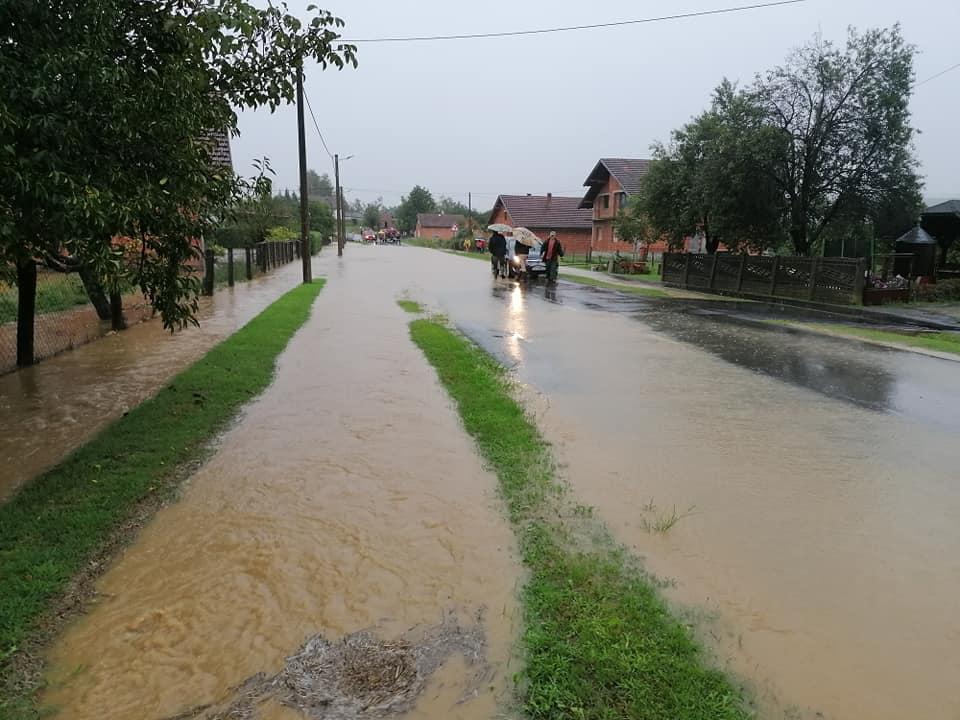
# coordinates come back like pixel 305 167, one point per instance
pixel 67 522
pixel 599 642
pixel 937 341
pixel 629 290
pixel 411 306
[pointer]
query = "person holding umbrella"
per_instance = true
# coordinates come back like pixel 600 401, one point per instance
pixel 552 252
pixel 498 253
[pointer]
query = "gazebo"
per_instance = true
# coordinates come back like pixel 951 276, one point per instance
pixel 923 247
pixel 943 222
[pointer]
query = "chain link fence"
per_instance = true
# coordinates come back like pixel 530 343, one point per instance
pixel 64 317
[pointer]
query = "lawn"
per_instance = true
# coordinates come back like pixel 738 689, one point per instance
pixel 55 292
pixel 52 528
pixel 598 641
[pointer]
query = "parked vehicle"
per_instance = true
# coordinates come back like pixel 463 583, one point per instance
pixel 535 264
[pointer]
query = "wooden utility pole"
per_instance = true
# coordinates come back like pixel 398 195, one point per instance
pixel 338 201
pixel 470 212
pixel 304 198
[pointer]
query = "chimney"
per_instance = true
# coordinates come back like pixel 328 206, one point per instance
pixel 549 197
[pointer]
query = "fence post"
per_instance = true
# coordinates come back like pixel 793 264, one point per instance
pixel 686 268
pixel 713 272
pixel 859 281
pixel 814 266
pixel 208 272
pixel 743 266
pixel 248 256
pixel 773 275
pixel 230 267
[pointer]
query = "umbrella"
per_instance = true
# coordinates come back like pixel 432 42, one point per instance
pixel 526 237
pixel 500 227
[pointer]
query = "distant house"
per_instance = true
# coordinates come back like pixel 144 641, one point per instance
pixel 438 226
pixel 543 213
pixel 610 185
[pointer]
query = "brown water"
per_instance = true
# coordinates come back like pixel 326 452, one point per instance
pixel 347 497
pixel 822 553
pixel 52 408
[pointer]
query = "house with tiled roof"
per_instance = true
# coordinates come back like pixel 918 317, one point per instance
pixel 438 226
pixel 609 186
pixel 545 213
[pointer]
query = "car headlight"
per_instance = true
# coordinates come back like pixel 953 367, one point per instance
pixel 516 261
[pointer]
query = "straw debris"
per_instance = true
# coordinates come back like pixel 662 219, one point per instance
pixel 357 677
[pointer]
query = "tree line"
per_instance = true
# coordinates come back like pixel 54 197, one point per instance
pixel 816 150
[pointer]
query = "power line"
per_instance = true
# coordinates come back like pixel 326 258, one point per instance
pixel 942 72
pixel 317 125
pixel 543 31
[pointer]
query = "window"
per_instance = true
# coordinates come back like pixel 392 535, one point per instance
pixel 621 200
pixel 605 202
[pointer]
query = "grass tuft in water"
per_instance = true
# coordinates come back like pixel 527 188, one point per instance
pixel 410 306
pixel 51 529
pixel 599 642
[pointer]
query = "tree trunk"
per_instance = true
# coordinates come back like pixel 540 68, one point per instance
pixel 26 310
pixel 95 291
pixel 712 244
pixel 116 312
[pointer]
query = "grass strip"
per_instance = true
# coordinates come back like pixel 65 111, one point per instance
pixel 411 306
pixel 599 642
pixel 630 290
pixel 939 341
pixel 55 524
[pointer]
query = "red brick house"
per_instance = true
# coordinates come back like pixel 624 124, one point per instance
pixel 543 213
pixel 438 227
pixel 610 184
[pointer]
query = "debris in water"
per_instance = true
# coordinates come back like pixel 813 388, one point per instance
pixel 357 677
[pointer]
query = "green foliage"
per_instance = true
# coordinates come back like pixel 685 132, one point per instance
pixel 410 306
pixel 942 291
pixel 418 201
pixel 61 292
pixel 599 642
pixel 124 149
pixel 319 186
pixel 817 149
pixel 371 216
pixel 50 529
pixel 281 233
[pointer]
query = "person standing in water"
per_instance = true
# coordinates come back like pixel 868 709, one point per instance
pixel 498 254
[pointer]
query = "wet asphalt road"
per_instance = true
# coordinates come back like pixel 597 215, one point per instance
pixel 921 388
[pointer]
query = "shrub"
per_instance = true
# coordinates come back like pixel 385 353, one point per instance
pixel 940 292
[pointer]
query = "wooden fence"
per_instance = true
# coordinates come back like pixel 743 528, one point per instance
pixel 828 280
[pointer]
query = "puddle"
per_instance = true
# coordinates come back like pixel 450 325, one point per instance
pixel 347 498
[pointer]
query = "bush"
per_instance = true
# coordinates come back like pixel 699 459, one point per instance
pixel 941 292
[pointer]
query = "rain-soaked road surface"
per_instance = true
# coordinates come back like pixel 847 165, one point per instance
pixel 346 498
pixel 48 410
pixel 822 476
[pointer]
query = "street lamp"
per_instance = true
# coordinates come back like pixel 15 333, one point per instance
pixel 341 240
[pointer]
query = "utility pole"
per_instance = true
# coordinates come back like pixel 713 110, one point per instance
pixel 339 204
pixel 470 212
pixel 304 207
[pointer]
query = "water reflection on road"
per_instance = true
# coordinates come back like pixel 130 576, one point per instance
pixel 822 473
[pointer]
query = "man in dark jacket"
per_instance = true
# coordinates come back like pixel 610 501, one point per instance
pixel 552 252
pixel 498 254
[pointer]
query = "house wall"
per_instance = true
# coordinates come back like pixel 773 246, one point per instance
pixel 441 233
pixel 604 239
pixel 575 242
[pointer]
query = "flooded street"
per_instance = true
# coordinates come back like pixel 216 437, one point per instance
pixel 52 408
pixel 798 492
pixel 346 498
pixel 813 481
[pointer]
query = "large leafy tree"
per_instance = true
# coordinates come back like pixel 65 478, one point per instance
pixel 319 186
pixel 710 179
pixel 844 122
pixel 418 201
pixel 106 114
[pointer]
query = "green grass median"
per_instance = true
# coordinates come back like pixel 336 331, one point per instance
pixel 599 643
pixel 55 525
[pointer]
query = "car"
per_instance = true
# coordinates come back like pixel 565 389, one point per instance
pixel 535 264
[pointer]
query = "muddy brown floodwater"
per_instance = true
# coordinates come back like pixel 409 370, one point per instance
pixel 346 498
pixel 52 408
pixel 817 479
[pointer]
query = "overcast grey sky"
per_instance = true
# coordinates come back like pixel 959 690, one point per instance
pixel 533 114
